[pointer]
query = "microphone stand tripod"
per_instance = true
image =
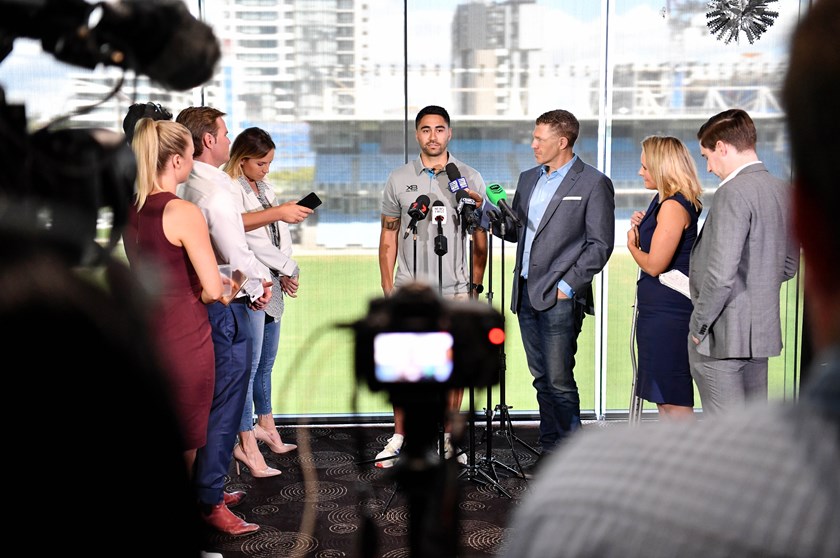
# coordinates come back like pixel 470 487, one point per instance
pixel 505 423
pixel 489 460
pixel 472 471
pixel 440 249
pixel 413 227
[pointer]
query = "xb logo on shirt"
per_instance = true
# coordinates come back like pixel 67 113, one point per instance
pixel 411 188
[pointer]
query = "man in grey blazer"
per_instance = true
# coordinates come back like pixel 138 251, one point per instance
pixel 567 212
pixel 742 255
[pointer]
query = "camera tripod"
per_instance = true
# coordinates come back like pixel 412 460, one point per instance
pixel 398 480
pixel 412 228
pixel 428 485
pixel 503 410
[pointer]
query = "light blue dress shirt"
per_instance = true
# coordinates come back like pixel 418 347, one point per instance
pixel 546 186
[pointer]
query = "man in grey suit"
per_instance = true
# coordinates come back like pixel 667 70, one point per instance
pixel 742 255
pixel 567 209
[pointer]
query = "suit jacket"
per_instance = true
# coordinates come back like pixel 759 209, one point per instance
pixel 573 241
pixel 743 254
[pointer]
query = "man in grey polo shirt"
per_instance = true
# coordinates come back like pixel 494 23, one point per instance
pixel 414 246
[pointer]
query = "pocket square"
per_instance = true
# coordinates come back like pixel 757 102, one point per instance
pixel 572 198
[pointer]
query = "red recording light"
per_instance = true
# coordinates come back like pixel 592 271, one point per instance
pixel 496 336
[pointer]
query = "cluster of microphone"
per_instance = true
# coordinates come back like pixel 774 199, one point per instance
pixel 466 207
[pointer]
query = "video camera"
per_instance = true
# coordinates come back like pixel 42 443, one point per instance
pixel 416 339
pixel 156 38
pixel 56 180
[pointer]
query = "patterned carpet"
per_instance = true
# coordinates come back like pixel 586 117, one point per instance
pixel 325 504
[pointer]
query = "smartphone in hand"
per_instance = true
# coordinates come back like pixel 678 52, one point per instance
pixel 311 200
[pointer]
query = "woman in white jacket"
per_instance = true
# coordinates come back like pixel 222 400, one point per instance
pixel 268 237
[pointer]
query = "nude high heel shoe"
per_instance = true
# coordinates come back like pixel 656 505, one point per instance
pixel 257 470
pixel 274 444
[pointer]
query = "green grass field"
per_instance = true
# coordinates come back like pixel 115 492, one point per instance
pixel 314 372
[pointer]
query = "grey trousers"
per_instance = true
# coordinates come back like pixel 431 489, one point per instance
pixel 727 383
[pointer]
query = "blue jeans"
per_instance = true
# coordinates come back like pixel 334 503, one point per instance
pixel 232 346
pixel 550 340
pixel 265 338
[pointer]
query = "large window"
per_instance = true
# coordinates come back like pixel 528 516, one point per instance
pixel 338 82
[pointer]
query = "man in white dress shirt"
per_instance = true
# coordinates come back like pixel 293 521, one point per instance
pixel 218 197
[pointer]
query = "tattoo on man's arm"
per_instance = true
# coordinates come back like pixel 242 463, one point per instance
pixel 390 223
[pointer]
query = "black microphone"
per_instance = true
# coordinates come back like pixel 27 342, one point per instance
pixel 456 181
pixel 466 205
pixel 439 212
pixel 439 215
pixel 467 210
pixel 497 196
pixel 417 211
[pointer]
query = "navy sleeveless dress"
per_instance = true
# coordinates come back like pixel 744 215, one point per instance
pixel 664 376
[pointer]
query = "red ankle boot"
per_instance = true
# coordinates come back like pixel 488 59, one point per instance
pixel 233 499
pixel 224 520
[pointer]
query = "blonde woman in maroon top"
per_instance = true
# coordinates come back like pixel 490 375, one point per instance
pixel 168 247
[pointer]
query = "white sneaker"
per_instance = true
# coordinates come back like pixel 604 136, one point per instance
pixel 450 450
pixel 392 450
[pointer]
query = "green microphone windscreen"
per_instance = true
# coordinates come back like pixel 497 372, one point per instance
pixel 495 193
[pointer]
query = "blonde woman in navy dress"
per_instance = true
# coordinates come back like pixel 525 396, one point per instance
pixel 660 240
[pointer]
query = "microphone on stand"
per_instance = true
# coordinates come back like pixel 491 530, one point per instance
pixel 466 205
pixel 439 216
pixel 456 181
pixel 439 213
pixel 467 210
pixel 497 196
pixel 417 211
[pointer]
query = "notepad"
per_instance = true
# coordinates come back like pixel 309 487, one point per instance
pixel 677 280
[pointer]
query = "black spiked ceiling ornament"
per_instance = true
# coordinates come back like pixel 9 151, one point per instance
pixel 727 18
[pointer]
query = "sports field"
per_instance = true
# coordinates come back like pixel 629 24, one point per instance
pixel 314 372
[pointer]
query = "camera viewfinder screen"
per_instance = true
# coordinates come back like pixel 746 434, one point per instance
pixel 412 357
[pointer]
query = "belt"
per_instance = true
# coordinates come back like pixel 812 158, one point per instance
pixel 241 300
